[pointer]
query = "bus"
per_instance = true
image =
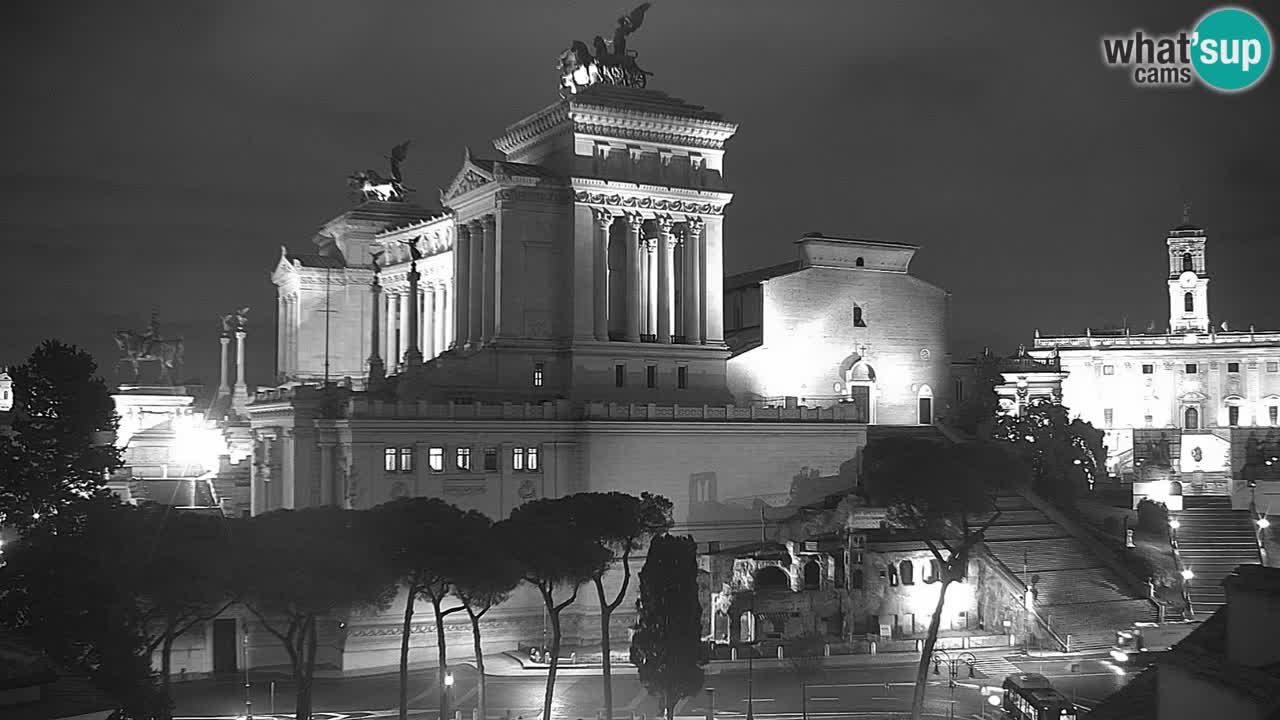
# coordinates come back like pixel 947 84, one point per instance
pixel 1030 696
pixel 1140 643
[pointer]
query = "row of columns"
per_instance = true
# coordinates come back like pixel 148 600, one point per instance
pixel 649 278
pixel 399 313
pixel 475 264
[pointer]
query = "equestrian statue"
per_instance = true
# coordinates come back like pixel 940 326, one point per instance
pixel 137 347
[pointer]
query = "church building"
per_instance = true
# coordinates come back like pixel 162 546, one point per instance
pixel 1194 409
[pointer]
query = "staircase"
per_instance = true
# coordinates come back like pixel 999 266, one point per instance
pixel 1213 540
pixel 1076 593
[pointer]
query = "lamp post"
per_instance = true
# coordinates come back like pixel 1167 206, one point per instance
pixel 448 694
pixel 711 703
pixel 248 699
pixel 751 654
pixel 941 657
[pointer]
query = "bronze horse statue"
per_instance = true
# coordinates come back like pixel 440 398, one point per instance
pixel 138 347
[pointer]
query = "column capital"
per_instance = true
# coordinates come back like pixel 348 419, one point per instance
pixel 665 224
pixel 489 222
pixel 603 217
pixel 694 223
pixel 462 230
pixel 634 221
pixel 240 334
pixel 475 225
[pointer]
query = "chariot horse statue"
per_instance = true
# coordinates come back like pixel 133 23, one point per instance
pixel 147 346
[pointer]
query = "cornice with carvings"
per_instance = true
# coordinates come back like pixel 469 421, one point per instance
pixel 527 131
pixel 533 194
pixel 643 202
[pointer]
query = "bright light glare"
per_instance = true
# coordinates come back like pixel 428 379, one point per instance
pixel 1187 574
pixel 1263 523
pixel 1175 524
pixel 196 443
pixel 448 679
pixel 1120 655
pixel 993 700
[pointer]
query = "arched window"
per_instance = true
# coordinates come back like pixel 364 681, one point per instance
pixel 935 572
pixel 859 262
pixel 812 575
pixel 1187 263
pixel 908 572
pixel 857 317
pixel 1188 302
pixel 1191 419
pixel 771 577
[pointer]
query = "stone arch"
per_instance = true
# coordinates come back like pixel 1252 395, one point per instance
pixel 1188 262
pixel 907 572
pixel 1188 302
pixel 1175 488
pixel 771 577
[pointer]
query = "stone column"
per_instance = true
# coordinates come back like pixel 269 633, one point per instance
pixel 393 322
pixel 223 388
pixel 377 371
pixel 475 303
pixel 491 286
pixel 666 279
pixel 403 316
pixel 282 342
pixel 240 397
pixel 651 286
pixel 461 283
pixel 413 351
pixel 633 277
pixel 604 220
pixel 713 282
pixel 693 281
pixel 429 346
pixel 446 316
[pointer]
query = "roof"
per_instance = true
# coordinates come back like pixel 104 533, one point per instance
pixel 744 339
pixel 863 242
pixel 318 261
pixel 642 100
pixel 755 277
pixel 503 167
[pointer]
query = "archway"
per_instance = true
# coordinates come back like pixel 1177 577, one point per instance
pixel 812 575
pixel 771 578
pixel 860 378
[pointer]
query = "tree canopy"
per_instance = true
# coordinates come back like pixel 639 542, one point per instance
pixel 666 647
pixel 1065 455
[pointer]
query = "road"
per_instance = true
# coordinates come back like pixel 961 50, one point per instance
pixel 778 694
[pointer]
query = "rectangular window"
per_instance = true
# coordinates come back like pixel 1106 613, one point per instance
pixel 463 459
pixel 517 458
pixel 619 375
pixel 531 459
pixel 1147 420
pixel 1148 369
pixel 1273 367
pixel 1191 369
pixel 1233 367
pixel 491 458
pixel 1233 415
pixel 1273 414
pixel 389 459
pixel 682 377
pixel 435 459
pixel 1108 369
pixel 406 459
pixel 537 374
pixel 1108 415
pixel 651 376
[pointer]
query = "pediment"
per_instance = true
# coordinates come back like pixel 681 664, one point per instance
pixel 1192 396
pixel 284 266
pixel 470 176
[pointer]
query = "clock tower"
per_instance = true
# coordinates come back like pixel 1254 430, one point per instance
pixel 1188 278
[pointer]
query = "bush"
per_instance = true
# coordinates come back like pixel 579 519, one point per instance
pixel 1153 517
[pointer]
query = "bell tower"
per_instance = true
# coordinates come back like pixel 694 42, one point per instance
pixel 1188 278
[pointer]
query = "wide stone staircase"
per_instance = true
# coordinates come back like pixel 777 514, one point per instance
pixel 1076 593
pixel 1213 540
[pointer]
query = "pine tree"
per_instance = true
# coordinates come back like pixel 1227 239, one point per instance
pixel 667 646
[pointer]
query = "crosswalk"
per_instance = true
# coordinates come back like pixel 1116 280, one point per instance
pixel 995 667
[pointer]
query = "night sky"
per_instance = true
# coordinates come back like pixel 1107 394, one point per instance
pixel 159 154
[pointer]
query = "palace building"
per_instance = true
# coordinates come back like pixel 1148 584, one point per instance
pixel 558 325
pixel 1194 409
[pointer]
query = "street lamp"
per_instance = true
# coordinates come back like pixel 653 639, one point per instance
pixel 941 657
pixel 448 693
pixel 248 699
pixel 1187 575
pixel 751 654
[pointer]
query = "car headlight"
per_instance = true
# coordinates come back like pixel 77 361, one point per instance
pixel 1120 656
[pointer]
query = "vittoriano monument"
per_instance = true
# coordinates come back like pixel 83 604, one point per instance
pixel 137 347
pixel 615 65
pixel 372 186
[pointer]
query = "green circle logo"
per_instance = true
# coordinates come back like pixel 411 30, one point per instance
pixel 1231 49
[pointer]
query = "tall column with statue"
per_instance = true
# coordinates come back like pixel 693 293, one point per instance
pixel 240 395
pixel 413 352
pixel 224 389
pixel 377 370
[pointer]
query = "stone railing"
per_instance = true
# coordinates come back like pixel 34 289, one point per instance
pixel 564 410
pixel 1010 577
pixel 726 413
pixel 1127 340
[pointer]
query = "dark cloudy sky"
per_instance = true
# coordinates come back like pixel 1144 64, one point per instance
pixel 158 154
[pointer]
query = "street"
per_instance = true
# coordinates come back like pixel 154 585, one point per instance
pixel 867 691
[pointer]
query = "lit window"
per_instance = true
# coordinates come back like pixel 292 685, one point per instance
pixel 389 459
pixel 406 459
pixel 1108 369
pixel 651 376
pixel 435 459
pixel 491 458
pixel 531 459
pixel 517 458
pixel 1148 369
pixel 1273 414
pixel 682 377
pixel 1233 367
pixel 537 374
pixel 1191 369
pixel 619 375
pixel 464 458
pixel 1273 367
pixel 1108 415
